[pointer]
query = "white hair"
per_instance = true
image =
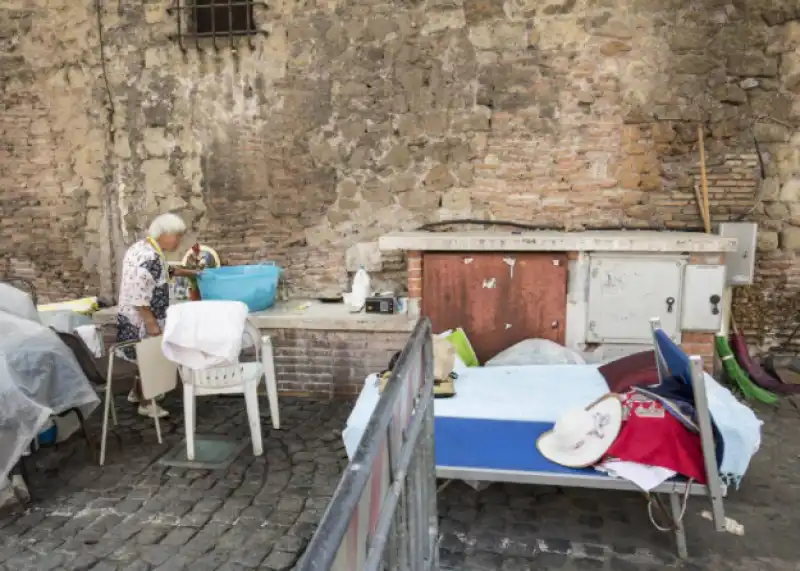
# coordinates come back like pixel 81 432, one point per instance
pixel 166 224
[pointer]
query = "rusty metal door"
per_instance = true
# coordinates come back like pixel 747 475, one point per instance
pixel 498 298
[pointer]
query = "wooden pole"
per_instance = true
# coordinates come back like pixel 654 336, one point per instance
pixel 704 181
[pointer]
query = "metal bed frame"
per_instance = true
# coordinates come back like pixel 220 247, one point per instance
pixel 675 489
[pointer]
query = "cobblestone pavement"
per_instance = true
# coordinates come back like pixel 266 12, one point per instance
pixel 135 515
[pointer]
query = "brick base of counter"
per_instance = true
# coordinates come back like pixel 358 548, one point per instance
pixel 321 363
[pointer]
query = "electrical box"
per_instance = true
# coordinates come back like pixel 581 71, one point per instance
pixel 703 287
pixel 626 292
pixel 740 264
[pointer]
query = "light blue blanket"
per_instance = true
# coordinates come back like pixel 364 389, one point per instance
pixel 740 429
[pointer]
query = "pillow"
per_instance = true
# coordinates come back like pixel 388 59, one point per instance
pixel 634 370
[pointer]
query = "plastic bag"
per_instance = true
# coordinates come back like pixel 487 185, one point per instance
pixel 444 358
pixel 361 290
pixel 535 352
pixel 458 339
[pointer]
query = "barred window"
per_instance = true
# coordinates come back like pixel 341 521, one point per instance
pixel 222 17
pixel 215 19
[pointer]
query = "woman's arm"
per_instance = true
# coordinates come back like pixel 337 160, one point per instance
pixel 180 272
pixel 150 321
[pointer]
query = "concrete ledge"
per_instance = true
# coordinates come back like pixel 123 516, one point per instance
pixel 552 241
pixel 316 316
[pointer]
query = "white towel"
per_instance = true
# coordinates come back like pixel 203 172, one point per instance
pixel 204 334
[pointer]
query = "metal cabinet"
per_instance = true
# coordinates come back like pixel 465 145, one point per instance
pixel 498 298
pixel 626 291
pixel 703 289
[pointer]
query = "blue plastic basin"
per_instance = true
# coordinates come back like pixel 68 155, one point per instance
pixel 255 286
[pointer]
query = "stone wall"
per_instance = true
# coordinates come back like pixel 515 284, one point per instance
pixel 351 119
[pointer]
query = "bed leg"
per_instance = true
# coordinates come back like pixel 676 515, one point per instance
pixel 680 531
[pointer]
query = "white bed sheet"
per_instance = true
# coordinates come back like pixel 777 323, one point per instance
pixel 534 393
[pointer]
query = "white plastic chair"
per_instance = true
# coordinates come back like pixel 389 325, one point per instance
pixel 238 378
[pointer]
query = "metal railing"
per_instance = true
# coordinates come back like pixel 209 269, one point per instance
pixel 383 513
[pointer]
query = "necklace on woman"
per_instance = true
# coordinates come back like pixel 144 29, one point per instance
pixel 160 252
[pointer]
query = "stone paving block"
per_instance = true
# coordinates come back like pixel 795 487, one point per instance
pixel 210 561
pixel 151 534
pixel 176 563
pixel 155 555
pixel 279 561
pixel 178 536
pixel 483 561
pixel 583 564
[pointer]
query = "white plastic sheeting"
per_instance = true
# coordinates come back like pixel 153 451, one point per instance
pixel 17 302
pixel 39 376
pixel 535 352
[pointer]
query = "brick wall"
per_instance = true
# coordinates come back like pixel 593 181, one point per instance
pixel 699 344
pixel 340 125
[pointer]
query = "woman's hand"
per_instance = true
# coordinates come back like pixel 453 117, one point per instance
pixel 153 330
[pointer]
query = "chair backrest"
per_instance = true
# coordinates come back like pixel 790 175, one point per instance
pixel 224 376
pixel 221 377
pixel 158 374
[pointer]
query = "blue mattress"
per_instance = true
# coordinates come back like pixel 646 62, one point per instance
pixel 495 445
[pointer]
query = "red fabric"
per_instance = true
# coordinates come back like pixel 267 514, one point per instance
pixel 635 370
pixel 651 435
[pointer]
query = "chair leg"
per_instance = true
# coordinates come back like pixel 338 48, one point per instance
pixel 107 404
pixel 157 421
pixel 114 413
pixel 268 363
pixel 254 417
pixel 84 432
pixel 189 419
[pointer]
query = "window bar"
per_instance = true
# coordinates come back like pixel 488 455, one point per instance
pixel 177 9
pixel 230 24
pixel 212 6
pixel 247 7
pixel 195 14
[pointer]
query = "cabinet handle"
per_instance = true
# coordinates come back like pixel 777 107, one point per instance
pixel 670 303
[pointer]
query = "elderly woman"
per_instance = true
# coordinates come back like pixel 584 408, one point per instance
pixel 144 292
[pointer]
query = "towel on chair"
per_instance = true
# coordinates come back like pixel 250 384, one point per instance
pixel 203 334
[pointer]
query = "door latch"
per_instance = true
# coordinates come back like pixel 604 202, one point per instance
pixel 670 302
pixel 714 299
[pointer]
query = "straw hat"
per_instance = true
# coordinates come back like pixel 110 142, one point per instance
pixel 581 437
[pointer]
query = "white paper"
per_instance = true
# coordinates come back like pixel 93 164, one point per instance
pixel 644 476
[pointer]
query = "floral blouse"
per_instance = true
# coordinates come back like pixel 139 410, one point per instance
pixel 145 282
